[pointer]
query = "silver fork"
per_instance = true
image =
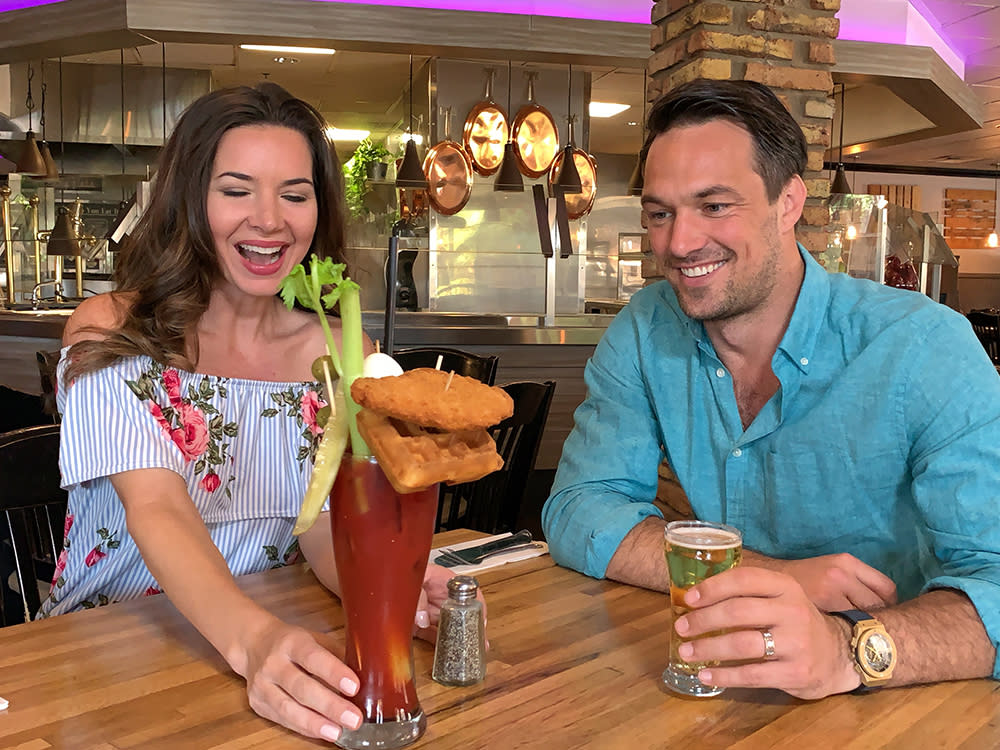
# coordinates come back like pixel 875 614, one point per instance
pixel 449 559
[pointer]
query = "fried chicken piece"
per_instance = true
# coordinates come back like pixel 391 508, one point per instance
pixel 419 396
pixel 414 458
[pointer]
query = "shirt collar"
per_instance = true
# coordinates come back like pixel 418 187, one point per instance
pixel 799 341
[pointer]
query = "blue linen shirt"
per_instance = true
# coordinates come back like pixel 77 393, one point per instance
pixel 883 439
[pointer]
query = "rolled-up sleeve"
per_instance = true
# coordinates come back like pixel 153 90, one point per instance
pixel 953 407
pixel 607 475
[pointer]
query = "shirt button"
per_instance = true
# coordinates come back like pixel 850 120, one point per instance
pixel 720 373
pixel 737 452
pixel 804 361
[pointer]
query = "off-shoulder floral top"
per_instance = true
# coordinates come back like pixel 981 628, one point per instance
pixel 243 447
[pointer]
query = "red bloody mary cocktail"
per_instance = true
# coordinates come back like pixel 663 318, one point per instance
pixel 381 542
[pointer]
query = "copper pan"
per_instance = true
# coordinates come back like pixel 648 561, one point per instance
pixel 535 136
pixel 448 169
pixel 486 132
pixel 577 204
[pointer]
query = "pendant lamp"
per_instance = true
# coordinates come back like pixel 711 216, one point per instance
pixel 51 170
pixel 993 240
pixel 569 176
pixel 411 172
pixel 30 161
pixel 509 178
pixel 635 183
pixel 64 239
pixel 840 185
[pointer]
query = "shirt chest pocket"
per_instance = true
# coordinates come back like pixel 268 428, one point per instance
pixel 814 497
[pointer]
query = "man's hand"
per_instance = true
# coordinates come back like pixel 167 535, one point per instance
pixel 833 582
pixel 811 649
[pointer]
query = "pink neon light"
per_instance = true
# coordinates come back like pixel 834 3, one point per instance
pixel 626 11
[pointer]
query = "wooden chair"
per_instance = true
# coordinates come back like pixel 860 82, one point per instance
pixel 32 509
pixel 492 504
pixel 480 367
pixel 986 324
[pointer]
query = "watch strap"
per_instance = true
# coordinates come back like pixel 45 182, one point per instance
pixel 854 616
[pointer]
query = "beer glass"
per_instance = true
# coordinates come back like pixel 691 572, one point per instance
pixel 695 550
pixel 381 543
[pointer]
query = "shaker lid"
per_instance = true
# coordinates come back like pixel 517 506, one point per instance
pixel 463 587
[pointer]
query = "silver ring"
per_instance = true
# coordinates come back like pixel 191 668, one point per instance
pixel 768 644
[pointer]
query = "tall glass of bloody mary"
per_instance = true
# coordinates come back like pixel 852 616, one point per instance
pixel 381 543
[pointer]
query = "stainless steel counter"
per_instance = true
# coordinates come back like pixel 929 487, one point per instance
pixel 412 328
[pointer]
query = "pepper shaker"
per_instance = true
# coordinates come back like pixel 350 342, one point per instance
pixel 460 652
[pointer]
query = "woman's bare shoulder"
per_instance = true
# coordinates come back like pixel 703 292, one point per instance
pixel 94 315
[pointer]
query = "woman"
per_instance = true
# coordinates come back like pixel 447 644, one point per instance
pixel 188 403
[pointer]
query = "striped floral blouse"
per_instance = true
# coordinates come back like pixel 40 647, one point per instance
pixel 243 447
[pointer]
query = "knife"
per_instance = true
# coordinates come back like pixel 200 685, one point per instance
pixel 469 554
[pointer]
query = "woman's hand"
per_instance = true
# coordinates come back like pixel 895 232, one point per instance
pixel 294 680
pixel 432 596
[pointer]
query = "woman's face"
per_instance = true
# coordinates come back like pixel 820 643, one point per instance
pixel 261 206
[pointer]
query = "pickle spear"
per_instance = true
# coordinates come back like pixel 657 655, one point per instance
pixel 331 449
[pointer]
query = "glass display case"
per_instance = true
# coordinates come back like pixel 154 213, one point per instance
pixel 871 238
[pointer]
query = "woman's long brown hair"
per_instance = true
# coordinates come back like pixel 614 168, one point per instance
pixel 168 266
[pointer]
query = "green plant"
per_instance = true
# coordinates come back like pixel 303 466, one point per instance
pixel 356 173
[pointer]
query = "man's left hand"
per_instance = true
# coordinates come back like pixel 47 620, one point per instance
pixel 729 613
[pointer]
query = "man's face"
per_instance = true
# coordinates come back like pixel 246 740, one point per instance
pixel 710 223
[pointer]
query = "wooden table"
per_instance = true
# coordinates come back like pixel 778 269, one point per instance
pixel 574 663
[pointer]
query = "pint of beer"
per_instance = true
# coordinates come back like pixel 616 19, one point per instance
pixel 695 550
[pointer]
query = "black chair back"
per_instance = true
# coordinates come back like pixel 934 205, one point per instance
pixel 480 367
pixel 47 364
pixel 32 509
pixel 986 324
pixel 492 504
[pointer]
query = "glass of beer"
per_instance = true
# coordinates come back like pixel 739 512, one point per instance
pixel 695 550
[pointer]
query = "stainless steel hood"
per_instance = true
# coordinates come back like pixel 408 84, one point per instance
pixel 90 105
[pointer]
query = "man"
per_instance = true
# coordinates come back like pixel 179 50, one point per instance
pixel 850 430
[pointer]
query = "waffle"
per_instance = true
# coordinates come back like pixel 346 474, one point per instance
pixel 414 458
pixel 434 398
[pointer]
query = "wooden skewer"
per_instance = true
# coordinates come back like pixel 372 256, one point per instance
pixel 329 386
pixel 439 361
pixel 450 376
pixel 378 346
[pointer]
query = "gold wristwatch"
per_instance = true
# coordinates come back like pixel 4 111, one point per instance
pixel 872 647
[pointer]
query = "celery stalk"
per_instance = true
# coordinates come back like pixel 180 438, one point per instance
pixel 353 361
pixel 306 287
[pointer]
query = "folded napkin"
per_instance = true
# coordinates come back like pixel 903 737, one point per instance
pixel 495 560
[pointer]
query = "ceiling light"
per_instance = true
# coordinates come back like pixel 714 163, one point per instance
pixel 280 59
pixel 288 50
pixel 607 109
pixel 345 134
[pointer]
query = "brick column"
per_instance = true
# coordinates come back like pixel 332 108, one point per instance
pixel 785 44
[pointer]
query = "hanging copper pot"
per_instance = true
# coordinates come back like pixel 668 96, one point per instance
pixel 486 132
pixel 449 171
pixel 577 204
pixel 535 136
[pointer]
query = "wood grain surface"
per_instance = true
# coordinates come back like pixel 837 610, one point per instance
pixel 574 663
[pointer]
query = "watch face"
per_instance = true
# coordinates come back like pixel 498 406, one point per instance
pixel 877 652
